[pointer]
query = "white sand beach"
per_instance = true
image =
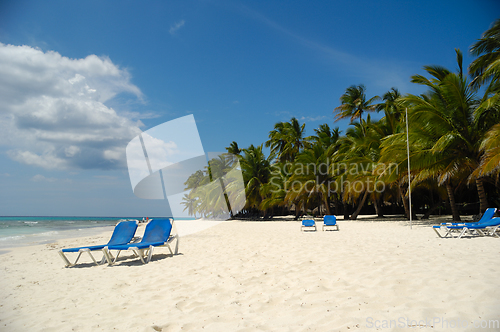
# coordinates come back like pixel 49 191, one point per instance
pixel 263 276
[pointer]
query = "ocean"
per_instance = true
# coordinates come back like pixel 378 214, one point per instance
pixel 22 231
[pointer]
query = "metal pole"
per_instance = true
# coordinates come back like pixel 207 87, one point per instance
pixel 409 176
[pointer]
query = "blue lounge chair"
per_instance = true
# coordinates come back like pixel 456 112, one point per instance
pixel 330 221
pixel 468 227
pixel 308 224
pixel 123 233
pixel 482 230
pixel 487 216
pixel 486 224
pixel 157 234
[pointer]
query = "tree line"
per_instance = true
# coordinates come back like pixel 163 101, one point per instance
pixel 454 149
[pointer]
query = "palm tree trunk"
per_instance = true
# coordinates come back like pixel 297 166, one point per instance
pixel 297 211
pixel 483 201
pixel 377 205
pixel 453 205
pixel 380 204
pixel 336 202
pixel 360 206
pixel 346 210
pixel 327 205
pixel 433 208
pixel 405 203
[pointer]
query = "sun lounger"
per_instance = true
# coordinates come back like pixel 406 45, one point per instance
pixel 157 234
pixel 487 216
pixel 482 230
pixel 485 228
pixel 308 224
pixel 470 227
pixel 122 234
pixel 330 221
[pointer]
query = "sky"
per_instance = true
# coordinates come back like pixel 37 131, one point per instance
pixel 80 79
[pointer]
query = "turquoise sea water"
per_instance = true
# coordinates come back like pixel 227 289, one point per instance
pixel 21 231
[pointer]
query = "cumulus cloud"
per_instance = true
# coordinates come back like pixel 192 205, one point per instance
pixel 53 113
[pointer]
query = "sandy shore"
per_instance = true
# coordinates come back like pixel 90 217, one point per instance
pixel 263 276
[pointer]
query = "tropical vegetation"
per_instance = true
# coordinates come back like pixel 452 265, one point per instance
pixel 453 134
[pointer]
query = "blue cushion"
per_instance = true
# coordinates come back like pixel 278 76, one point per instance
pixel 330 220
pixel 308 222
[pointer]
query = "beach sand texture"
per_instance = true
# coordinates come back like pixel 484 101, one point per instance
pixel 262 276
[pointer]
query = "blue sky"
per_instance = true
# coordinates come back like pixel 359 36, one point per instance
pixel 79 79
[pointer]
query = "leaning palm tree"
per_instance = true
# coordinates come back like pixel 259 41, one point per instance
pixel 354 103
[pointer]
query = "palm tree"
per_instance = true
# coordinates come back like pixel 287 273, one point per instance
pixel 256 171
pixel 360 152
pixel 392 108
pixel 487 66
pixel 191 204
pixel 445 131
pixel 286 140
pixel 490 160
pixel 325 136
pixel 275 190
pixel 392 166
pixel 233 148
pixel 311 179
pixel 354 103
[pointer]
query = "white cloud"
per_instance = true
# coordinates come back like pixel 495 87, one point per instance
pixel 53 113
pixel 176 26
pixel 41 178
pixel 314 119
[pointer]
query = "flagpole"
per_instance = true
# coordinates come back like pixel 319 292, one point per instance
pixel 409 177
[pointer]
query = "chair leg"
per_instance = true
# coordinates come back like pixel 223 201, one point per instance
pixel 116 258
pixel 78 257
pixel 465 230
pixel 141 255
pixel 65 259
pixel 170 249
pixel 435 230
pixel 150 254
pixel 176 244
pixel 107 254
pixel 493 231
pixel 90 254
